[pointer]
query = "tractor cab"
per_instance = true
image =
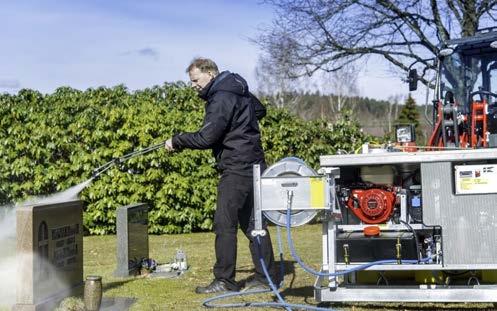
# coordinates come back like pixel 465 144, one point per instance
pixel 469 73
pixel 465 104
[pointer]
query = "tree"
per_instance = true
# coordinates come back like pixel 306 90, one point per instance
pixel 338 87
pixel 392 112
pixel 341 88
pixel 409 114
pixel 273 84
pixel 318 35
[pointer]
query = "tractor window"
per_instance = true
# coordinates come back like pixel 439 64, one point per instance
pixel 478 84
pixel 492 76
pixel 486 77
pixel 469 71
pixel 453 77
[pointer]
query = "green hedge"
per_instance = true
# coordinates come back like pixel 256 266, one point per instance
pixel 52 142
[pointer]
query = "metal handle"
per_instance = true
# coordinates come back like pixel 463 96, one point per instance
pixel 101 169
pixel 258 231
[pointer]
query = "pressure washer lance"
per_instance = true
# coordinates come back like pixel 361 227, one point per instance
pixel 120 160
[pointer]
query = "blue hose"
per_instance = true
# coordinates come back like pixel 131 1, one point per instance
pixel 282 303
pixel 282 261
pixel 343 272
pixel 208 302
pixel 266 273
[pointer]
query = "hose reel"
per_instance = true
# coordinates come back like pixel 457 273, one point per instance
pixel 292 174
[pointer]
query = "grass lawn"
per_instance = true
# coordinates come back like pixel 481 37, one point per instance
pixel 178 294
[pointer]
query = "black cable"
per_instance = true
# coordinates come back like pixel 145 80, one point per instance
pixel 415 220
pixel 418 251
pixel 433 227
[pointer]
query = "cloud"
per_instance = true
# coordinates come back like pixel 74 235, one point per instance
pixel 9 84
pixel 149 52
pixel 145 52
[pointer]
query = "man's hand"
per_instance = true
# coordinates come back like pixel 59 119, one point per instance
pixel 169 144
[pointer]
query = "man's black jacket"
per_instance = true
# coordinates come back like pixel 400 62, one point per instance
pixel 230 125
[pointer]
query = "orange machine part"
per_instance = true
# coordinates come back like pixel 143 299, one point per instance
pixel 435 139
pixel 478 117
pixel 407 146
pixel 372 206
pixel 471 139
pixel 371 231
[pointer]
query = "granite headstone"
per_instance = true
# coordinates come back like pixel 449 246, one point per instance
pixel 49 254
pixel 132 238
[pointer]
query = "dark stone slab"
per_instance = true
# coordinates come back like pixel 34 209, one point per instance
pixel 132 238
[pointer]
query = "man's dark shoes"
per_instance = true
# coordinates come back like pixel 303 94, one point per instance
pixel 216 286
pixel 255 284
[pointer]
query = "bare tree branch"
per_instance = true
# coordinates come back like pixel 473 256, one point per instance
pixel 455 11
pixel 318 35
pixel 443 34
pixel 485 6
pixel 491 15
pixel 470 18
pixel 410 20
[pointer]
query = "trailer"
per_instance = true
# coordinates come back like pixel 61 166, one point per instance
pixel 405 223
pixel 432 219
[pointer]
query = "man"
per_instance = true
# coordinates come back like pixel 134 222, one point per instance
pixel 231 130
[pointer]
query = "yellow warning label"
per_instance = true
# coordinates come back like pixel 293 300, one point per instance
pixel 469 184
pixel 318 188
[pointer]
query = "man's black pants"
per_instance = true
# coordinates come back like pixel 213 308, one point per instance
pixel 235 205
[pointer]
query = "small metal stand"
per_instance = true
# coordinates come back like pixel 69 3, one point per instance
pixel 258 231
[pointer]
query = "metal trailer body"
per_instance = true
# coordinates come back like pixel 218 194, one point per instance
pixel 468 224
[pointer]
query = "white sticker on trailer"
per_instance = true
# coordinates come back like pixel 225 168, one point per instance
pixel 470 179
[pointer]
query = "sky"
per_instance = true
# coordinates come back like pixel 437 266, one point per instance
pixel 48 44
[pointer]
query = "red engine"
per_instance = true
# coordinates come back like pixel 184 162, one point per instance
pixel 372 206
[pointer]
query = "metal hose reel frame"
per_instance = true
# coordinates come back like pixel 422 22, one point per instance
pixel 290 166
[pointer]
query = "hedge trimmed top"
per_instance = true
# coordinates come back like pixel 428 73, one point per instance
pixel 52 142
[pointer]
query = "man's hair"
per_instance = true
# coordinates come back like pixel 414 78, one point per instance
pixel 204 65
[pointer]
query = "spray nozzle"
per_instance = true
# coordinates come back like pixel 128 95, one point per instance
pixel 94 173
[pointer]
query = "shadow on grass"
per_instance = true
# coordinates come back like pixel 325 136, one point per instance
pixel 116 284
pixel 288 269
pixel 304 291
pixel 288 286
pixel 117 303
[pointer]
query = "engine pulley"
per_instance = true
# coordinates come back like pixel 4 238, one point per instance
pixel 372 206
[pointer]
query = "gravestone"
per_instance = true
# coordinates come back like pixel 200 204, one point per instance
pixel 49 254
pixel 132 238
